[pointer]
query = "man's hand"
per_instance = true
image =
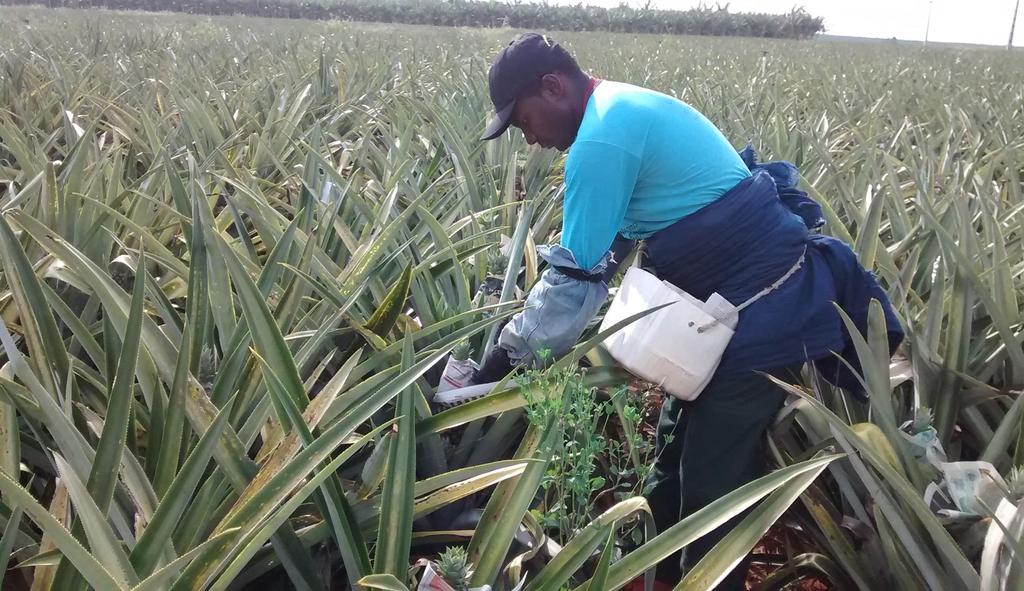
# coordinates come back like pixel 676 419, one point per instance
pixel 494 367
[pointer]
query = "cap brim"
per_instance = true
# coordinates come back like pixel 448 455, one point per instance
pixel 499 123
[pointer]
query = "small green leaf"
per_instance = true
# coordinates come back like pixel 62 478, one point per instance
pixel 384 582
pixel 7 541
pixel 599 582
pixel 394 537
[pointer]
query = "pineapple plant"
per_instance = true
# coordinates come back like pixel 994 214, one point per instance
pixel 462 351
pixel 453 566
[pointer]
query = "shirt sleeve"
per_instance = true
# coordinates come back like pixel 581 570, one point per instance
pixel 599 181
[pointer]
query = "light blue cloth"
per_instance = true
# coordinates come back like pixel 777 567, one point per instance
pixel 557 310
pixel 642 160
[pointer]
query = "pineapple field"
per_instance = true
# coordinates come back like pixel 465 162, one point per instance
pixel 236 253
pixel 701 20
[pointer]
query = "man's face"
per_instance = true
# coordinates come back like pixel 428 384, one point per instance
pixel 549 117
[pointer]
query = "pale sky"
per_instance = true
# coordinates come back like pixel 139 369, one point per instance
pixel 957 21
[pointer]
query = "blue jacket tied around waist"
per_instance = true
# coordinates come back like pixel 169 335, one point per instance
pixel 746 240
pixel 735 246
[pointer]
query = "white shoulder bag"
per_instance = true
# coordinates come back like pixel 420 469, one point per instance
pixel 679 346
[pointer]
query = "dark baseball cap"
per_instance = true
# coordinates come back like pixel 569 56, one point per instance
pixel 516 69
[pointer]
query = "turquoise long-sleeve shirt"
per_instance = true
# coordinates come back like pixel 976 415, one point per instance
pixel 642 160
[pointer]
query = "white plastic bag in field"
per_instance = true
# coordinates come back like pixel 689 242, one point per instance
pixel 976 488
pixel 966 489
pixel 454 389
pixel 999 568
pixel 456 374
pixel 431 581
pixel 458 396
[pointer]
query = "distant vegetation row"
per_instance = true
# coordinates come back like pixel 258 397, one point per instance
pixel 487 13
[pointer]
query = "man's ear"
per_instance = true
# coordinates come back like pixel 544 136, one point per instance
pixel 552 86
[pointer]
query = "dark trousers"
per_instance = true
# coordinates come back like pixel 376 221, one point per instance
pixel 707 448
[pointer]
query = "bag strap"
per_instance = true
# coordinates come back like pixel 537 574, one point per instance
pixel 792 271
pixel 778 283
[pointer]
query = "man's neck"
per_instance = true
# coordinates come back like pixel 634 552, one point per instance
pixel 589 84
